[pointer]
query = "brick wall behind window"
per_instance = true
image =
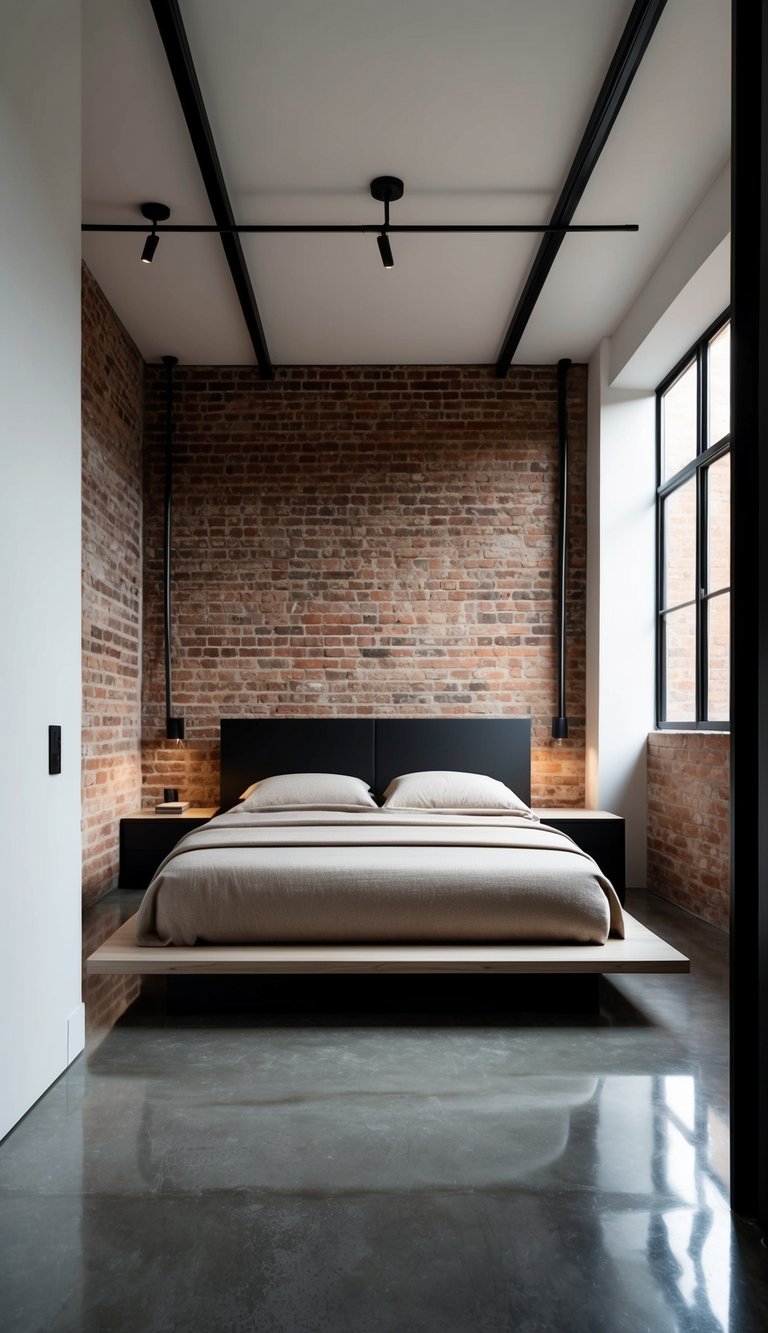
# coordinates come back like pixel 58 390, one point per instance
pixel 362 540
pixel 112 371
pixel 688 825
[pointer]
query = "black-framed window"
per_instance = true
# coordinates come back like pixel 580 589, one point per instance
pixel 693 430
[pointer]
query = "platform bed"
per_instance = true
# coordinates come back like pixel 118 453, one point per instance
pixel 377 750
pixel 639 951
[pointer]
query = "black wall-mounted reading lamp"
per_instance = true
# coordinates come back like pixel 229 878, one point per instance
pixel 560 721
pixel 174 726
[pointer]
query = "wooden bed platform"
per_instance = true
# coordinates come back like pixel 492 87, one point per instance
pixel 641 951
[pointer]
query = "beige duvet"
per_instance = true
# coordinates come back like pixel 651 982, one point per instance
pixel 324 876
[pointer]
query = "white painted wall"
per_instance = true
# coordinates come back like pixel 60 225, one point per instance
pixel 41 1014
pixel 686 292
pixel 621 487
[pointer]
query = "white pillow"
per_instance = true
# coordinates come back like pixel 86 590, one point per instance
pixel 308 789
pixel 444 790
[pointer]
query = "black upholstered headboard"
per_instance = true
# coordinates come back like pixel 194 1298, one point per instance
pixel 498 746
pixel 376 749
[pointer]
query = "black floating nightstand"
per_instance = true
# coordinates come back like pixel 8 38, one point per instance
pixel 597 832
pixel 147 838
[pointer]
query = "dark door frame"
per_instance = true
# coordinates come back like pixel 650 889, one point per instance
pixel 749 612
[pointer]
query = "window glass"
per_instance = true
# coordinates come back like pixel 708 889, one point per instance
pixel 678 411
pixel 718 657
pixel 720 385
pixel 680 545
pixel 719 524
pixel 680 664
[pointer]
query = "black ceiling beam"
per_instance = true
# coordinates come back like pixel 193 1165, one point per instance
pixel 623 68
pixel 174 38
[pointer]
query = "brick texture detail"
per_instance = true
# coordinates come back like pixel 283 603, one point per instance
pixel 362 540
pixel 688 821
pixel 112 523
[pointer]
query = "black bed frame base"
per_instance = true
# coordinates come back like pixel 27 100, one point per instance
pixel 361 1000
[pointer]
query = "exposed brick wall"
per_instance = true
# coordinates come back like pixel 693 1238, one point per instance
pixel 362 540
pixel 112 523
pixel 688 821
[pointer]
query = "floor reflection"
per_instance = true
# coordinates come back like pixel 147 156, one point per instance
pixel 473 1169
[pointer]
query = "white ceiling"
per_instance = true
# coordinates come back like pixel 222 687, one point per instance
pixel 478 104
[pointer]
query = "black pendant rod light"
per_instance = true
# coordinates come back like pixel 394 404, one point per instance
pixel 174 726
pixel 156 213
pixel 560 721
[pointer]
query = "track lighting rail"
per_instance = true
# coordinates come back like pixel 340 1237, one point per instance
pixel 259 227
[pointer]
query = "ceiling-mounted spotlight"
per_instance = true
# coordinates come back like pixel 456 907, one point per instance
pixel 386 189
pixel 150 245
pixel 385 250
pixel 154 213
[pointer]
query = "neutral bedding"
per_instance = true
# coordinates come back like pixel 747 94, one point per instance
pixel 279 876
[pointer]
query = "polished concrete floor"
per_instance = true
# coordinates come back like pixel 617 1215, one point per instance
pixel 388 1155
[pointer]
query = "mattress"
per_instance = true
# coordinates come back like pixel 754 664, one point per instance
pixel 380 876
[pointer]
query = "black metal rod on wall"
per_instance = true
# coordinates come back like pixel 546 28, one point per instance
pixel 174 726
pixel 560 721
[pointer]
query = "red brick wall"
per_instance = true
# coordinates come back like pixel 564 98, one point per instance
pixel 112 520
pixel 688 821
pixel 362 540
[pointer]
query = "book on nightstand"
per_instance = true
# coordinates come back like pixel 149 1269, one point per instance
pixel 171 807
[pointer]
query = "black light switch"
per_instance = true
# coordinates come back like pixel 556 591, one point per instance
pixel 54 749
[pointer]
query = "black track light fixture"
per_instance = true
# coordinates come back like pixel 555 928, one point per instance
pixel 386 189
pixel 154 213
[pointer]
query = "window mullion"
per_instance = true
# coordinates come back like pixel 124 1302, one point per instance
pixel 702 619
pixel 661 647
pixel 702 608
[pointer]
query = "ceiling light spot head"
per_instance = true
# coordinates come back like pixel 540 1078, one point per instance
pixel 385 250
pixel 150 245
pixel 387 188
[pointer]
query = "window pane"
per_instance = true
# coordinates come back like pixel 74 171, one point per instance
pixel 719 524
pixel 680 545
pixel 720 385
pixel 678 408
pixel 680 655
pixel 718 653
